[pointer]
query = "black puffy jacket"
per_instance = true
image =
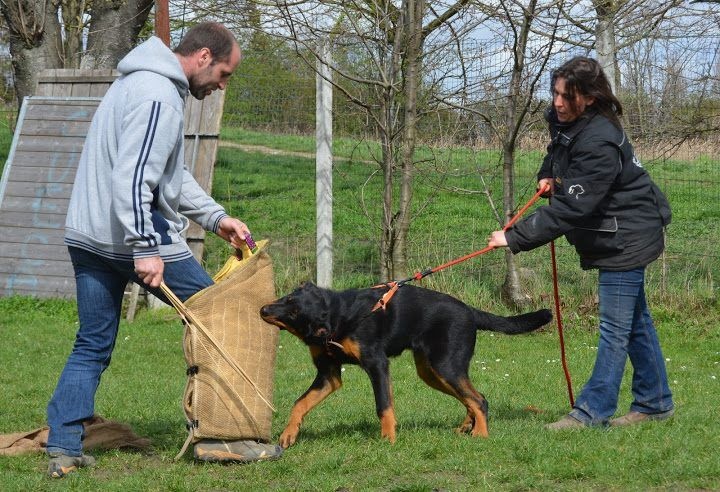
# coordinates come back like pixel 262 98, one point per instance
pixel 604 201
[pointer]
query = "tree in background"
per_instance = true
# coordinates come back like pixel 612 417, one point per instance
pixel 381 45
pixel 39 40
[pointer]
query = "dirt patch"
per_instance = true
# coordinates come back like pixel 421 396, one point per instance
pixel 266 150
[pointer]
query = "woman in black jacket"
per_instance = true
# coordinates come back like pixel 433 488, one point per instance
pixel 606 205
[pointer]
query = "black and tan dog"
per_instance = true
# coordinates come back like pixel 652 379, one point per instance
pixel 341 328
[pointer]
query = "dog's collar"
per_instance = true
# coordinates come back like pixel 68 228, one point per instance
pixel 333 342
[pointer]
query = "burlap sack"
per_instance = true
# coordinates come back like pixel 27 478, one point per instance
pixel 230 352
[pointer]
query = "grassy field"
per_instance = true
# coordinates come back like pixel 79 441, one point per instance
pixel 339 447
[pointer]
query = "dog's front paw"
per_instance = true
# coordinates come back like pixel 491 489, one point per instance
pixel 288 437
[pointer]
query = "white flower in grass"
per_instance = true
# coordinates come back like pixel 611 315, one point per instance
pixel 712 377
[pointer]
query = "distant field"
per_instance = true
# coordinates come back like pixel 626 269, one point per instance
pixel 275 193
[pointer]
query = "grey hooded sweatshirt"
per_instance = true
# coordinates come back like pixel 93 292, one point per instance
pixel 132 195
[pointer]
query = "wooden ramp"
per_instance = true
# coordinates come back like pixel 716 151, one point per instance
pixel 40 171
pixel 34 195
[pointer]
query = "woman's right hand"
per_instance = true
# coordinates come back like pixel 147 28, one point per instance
pixel 549 184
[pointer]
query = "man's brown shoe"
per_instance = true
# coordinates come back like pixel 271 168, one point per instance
pixel 567 422
pixel 633 417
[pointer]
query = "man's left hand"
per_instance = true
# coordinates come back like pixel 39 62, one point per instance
pixel 233 231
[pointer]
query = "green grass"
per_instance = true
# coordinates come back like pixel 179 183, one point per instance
pixel 275 195
pixel 339 445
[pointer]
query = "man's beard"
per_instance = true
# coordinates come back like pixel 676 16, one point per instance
pixel 199 92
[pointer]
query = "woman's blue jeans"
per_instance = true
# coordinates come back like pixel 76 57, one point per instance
pixel 101 284
pixel 626 329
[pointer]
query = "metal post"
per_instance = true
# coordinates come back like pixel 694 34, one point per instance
pixel 323 168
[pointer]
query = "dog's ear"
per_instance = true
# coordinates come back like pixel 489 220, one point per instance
pixel 322 326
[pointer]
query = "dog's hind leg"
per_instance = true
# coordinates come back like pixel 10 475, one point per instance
pixel 461 388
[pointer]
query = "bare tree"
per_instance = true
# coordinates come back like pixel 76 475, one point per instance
pixel 520 99
pixel 383 75
pixel 612 25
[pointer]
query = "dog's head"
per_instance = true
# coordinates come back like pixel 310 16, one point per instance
pixel 303 312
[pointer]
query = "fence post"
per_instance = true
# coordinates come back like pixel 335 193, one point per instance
pixel 323 168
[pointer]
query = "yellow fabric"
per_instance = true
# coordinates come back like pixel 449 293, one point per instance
pixel 234 262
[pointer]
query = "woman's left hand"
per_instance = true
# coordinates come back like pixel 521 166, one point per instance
pixel 497 240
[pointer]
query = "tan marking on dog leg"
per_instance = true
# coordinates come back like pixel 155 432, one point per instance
pixel 467 424
pixel 475 421
pixel 309 400
pixel 388 424
pixel 431 378
pixel 351 348
pixel 472 399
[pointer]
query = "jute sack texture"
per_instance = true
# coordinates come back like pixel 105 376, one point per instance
pixel 230 352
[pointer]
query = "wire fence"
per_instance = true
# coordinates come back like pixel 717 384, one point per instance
pixel 672 115
pixel 672 107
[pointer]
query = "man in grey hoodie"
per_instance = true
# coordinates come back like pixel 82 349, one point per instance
pixel 130 205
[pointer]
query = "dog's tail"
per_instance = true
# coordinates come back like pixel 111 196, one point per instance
pixel 512 325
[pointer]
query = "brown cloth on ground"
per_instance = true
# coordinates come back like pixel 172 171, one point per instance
pixel 100 433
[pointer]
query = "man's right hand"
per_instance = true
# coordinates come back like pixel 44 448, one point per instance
pixel 150 270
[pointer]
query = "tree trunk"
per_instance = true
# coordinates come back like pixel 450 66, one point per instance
pixel 114 30
pixel 605 41
pixel 413 58
pixel 34 42
pixel 387 239
pixel 511 290
pixel 72 15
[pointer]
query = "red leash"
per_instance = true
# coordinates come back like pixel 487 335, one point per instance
pixel 558 319
pixel 395 285
pixel 420 275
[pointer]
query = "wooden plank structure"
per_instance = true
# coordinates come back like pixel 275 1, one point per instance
pixel 40 171
pixel 34 195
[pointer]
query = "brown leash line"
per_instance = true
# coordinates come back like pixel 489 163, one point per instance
pixel 395 285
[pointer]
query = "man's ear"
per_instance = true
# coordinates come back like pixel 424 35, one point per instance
pixel 204 57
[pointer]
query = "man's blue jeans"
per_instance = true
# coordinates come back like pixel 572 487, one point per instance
pixel 626 329
pixel 101 284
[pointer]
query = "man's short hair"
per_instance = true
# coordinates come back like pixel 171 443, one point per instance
pixel 211 35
